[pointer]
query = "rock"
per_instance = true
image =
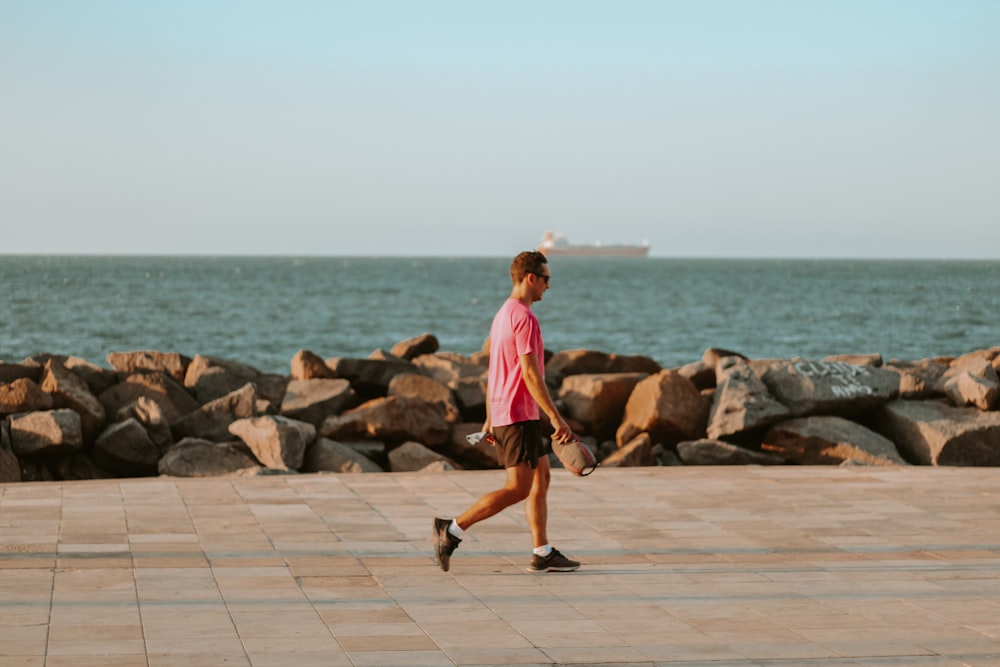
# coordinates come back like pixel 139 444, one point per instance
pixel 414 347
pixel 578 362
pixel 826 387
pixel 830 441
pixel 126 450
pixel 421 386
pixel 482 456
pixel 470 395
pixel 68 390
pixel 23 395
pixel 668 407
pixel 635 453
pixel 393 418
pixel 873 359
pixel 917 379
pixel 309 366
pixel 331 456
pixel 173 399
pixel 412 456
pixel 10 467
pixel 934 433
pixel 369 377
pixel 193 457
pixel 700 373
pixel 211 421
pixel 313 401
pixel 209 378
pixel 98 379
pixel 970 380
pixel 708 452
pixel 129 363
pixel 435 467
pixel 447 369
pixel 35 471
pixel 597 400
pixel 741 402
pixel 148 412
pixel 52 433
pixel 277 442
pixel 11 372
pixel 77 467
pixel 713 355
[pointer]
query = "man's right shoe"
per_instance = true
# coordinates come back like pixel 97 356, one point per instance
pixel 444 543
pixel 554 562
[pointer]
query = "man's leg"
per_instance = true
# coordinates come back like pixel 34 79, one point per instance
pixel 537 509
pixel 519 484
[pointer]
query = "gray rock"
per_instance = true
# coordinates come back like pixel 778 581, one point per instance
pixel 413 456
pixel 173 399
pixel 11 372
pixel 414 347
pixel 211 421
pixel 68 390
pixel 194 457
pixel 369 377
pixel 830 441
pixel 470 395
pixel 393 418
pixel 421 386
pixel 98 379
pixel 149 413
pixel 668 407
pixel 128 363
pixel 277 442
pixel 918 379
pixel 741 402
pixel 309 366
pixel 23 395
pixel 126 450
pixel 597 400
pixel 331 456
pixel 934 433
pixel 313 401
pixel 826 387
pixel 51 433
pixel 448 369
pixel 708 452
pixel 637 452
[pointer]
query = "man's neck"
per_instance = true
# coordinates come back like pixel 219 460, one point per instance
pixel 522 295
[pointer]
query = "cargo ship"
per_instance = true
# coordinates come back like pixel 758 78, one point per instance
pixel 555 244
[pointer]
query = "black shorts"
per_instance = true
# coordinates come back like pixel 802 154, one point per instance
pixel 519 442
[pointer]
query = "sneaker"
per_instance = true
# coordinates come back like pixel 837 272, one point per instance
pixel 444 542
pixel 554 562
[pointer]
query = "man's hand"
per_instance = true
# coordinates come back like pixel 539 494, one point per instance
pixel 563 433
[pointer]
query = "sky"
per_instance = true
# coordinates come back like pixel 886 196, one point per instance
pixel 707 128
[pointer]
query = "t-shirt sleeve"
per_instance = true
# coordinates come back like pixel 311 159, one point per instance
pixel 526 334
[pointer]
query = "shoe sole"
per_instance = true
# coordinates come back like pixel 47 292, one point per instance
pixel 554 569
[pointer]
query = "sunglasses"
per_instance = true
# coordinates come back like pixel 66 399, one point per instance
pixel 542 276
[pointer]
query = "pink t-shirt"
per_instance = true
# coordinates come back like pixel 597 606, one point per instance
pixel 515 331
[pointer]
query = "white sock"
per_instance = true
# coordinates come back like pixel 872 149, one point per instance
pixel 455 529
pixel 543 550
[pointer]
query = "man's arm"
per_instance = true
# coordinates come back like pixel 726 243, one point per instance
pixel 536 387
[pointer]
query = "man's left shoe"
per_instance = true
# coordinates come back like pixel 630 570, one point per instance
pixel 554 562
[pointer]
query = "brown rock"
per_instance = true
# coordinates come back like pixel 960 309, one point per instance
pixel 470 395
pixel 68 390
pixel 668 407
pixel 708 452
pixel 129 363
pixel 369 377
pixel 393 418
pixel 149 413
pixel 11 372
pixel 873 359
pixel 173 399
pixel 637 452
pixel 421 386
pixel 193 457
pixel 713 355
pixel 577 362
pixel 447 369
pixel 825 387
pixel 700 373
pixel 52 433
pixel 211 421
pixel 23 395
pixel 412 456
pixel 918 379
pixel 414 347
pixel 98 379
pixel 79 466
pixel 126 450
pixel 971 380
pixel 313 401
pixel 332 456
pixel 741 401
pixel 277 442
pixel 597 400
pixel 309 366
pixel 830 441
pixel 934 433
pixel 209 378
pixel 10 467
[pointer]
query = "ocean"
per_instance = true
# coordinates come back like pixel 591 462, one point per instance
pixel 262 310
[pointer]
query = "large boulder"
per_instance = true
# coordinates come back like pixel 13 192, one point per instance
pixel 448 368
pixel 578 362
pixel 209 378
pixel 23 395
pixel 414 347
pixel 331 456
pixel 149 413
pixel 194 457
pixel 918 379
pixel 172 363
pixel 277 442
pixel 421 386
pixel 126 450
pixel 10 467
pixel 393 418
pixel 470 395
pixel 211 421
pixel 98 379
pixel 309 366
pixel 69 390
pixel 11 372
pixel 708 452
pixel 638 452
pixel 741 401
pixel 667 406
pixel 826 387
pixel 413 456
pixel 52 433
pixel 934 433
pixel 830 441
pixel 597 400
pixel 173 399
pixel 314 400
pixel 971 380
pixel 369 377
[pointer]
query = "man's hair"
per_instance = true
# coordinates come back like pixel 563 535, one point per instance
pixel 529 261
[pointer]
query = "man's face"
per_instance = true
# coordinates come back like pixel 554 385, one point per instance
pixel 539 282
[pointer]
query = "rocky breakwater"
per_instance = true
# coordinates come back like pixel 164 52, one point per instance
pixel 410 408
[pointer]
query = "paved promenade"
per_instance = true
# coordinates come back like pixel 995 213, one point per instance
pixel 720 567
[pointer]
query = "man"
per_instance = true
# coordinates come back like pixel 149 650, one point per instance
pixel 515 392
